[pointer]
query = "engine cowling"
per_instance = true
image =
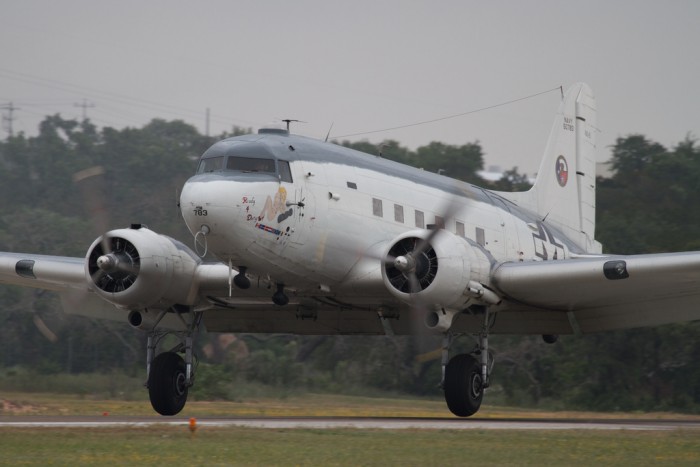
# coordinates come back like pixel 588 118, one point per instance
pixel 136 268
pixel 448 272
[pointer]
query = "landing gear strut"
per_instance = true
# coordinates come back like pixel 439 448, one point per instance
pixel 169 376
pixel 466 376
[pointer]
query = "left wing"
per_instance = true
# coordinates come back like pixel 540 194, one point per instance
pixel 56 273
pixel 608 292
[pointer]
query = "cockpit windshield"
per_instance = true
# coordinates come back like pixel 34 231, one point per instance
pixel 211 164
pixel 238 158
pixel 250 164
pixel 237 164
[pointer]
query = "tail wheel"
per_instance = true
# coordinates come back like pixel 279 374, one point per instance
pixel 464 385
pixel 167 384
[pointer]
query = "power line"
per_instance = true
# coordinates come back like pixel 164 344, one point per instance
pixel 114 97
pixel 449 116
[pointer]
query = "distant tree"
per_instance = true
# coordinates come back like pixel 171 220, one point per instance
pixel 632 155
pixel 460 162
pixel 512 180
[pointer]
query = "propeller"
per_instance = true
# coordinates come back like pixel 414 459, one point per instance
pixel 114 263
pixel 411 266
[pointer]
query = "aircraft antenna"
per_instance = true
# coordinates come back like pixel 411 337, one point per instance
pixel 329 133
pixel 425 122
pixel 290 120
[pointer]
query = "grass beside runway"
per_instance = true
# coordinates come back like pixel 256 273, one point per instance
pixel 159 445
pixel 304 405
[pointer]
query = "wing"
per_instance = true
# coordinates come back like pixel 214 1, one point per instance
pixel 62 274
pixel 242 311
pixel 579 295
pixel 608 292
pixel 56 273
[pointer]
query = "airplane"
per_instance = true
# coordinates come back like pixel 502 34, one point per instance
pixel 314 238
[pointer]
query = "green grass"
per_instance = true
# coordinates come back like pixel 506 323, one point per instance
pixel 308 404
pixel 160 445
pixel 240 446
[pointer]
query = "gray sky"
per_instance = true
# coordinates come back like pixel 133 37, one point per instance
pixel 359 65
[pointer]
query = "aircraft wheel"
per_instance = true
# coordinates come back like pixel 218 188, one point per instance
pixel 463 385
pixel 167 384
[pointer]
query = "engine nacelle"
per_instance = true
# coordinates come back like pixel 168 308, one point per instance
pixel 443 274
pixel 137 268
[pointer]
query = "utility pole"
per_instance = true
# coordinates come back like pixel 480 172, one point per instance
pixel 9 118
pixel 85 104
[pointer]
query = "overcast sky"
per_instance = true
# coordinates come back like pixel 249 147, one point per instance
pixel 359 65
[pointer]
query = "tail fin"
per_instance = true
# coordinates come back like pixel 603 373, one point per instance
pixel 564 191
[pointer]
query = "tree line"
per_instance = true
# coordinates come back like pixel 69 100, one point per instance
pixel 647 205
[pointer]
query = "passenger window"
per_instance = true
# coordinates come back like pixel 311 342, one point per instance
pixel 439 222
pixel 285 171
pixel 398 213
pixel 250 164
pixel 377 207
pixel 420 219
pixel 480 237
pixel 460 229
pixel 212 164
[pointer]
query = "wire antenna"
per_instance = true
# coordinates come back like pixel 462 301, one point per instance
pixel 450 116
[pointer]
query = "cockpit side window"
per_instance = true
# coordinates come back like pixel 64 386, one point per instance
pixel 211 164
pixel 285 171
pixel 250 164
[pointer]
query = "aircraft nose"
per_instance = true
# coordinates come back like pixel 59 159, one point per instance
pixel 196 204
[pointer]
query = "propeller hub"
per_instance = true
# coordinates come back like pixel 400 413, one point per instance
pixel 411 265
pixel 405 263
pixel 114 264
pixel 107 262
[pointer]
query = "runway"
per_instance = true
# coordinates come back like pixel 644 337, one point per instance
pixel 361 423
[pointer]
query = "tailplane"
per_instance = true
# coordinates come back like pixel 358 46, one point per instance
pixel 564 190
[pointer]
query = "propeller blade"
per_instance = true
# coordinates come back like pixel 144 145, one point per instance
pixel 44 329
pixel 447 212
pixel 91 182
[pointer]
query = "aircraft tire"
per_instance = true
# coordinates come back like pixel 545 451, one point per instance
pixel 167 385
pixel 463 385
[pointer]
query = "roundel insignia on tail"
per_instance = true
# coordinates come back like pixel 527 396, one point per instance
pixel 562 171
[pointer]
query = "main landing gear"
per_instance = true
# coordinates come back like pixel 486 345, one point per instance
pixel 466 376
pixel 169 375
